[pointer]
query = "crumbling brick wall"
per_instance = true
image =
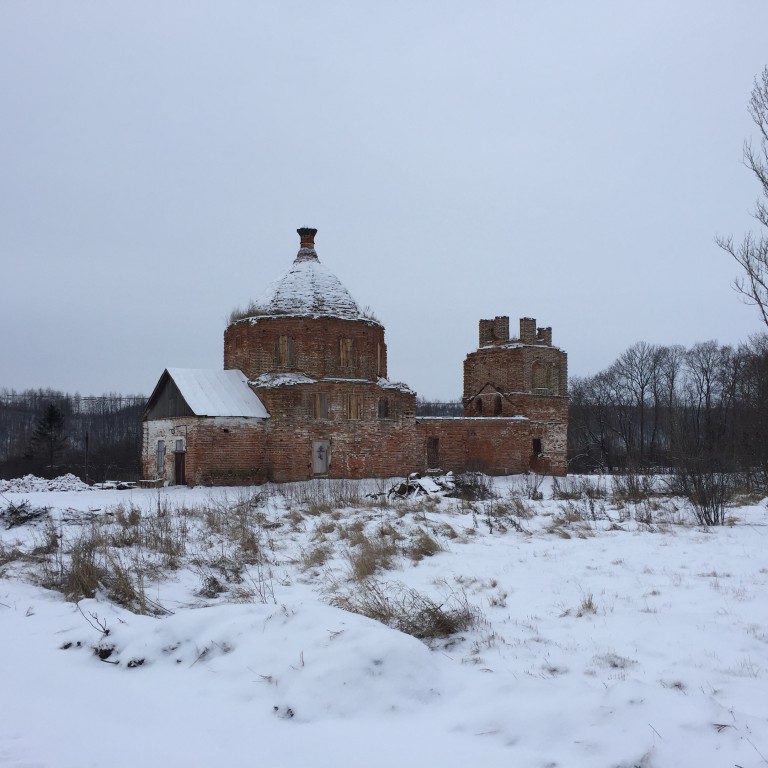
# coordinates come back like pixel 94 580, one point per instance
pixel 495 446
pixel 317 347
pixel 219 451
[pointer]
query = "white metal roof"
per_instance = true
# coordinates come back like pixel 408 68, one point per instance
pixel 218 393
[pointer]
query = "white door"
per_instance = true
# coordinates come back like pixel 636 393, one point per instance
pixel 321 457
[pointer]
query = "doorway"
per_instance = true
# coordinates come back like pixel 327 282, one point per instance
pixel 433 453
pixel 321 457
pixel 180 468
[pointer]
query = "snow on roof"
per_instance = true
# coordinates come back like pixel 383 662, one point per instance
pixel 281 380
pixel 218 393
pixel 519 345
pixel 309 288
pixel 399 385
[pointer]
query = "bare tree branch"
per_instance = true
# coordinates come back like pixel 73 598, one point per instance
pixel 752 252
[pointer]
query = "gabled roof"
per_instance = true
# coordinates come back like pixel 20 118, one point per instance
pixel 213 393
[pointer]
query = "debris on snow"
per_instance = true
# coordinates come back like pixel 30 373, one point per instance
pixel 21 513
pixel 416 485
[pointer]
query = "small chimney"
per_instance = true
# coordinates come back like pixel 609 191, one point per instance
pixel 307 235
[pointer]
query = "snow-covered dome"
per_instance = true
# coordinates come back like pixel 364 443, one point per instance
pixel 309 288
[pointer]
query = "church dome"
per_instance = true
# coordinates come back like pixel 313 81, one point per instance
pixel 309 289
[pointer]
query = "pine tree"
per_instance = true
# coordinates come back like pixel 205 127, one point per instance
pixel 48 435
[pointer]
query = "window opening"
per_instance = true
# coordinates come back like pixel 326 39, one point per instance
pixel 285 352
pixel 345 353
pixel 320 405
pixel 160 457
pixel 354 406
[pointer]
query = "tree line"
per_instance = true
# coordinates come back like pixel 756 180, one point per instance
pixel 48 433
pixel 671 408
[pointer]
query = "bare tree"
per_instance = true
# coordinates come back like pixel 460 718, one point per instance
pixel 752 252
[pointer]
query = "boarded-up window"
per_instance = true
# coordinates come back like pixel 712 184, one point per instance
pixel 383 411
pixel 320 405
pixel 433 452
pixel 345 353
pixel 179 446
pixel 160 457
pixel 354 406
pixel 540 378
pixel 285 354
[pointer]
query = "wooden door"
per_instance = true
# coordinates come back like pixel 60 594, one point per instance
pixel 180 468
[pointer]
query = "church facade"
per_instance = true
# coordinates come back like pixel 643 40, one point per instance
pixel 305 393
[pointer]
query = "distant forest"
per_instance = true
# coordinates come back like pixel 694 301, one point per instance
pixel 49 433
pixel 670 408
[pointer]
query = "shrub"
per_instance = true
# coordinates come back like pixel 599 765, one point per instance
pixel 472 486
pixel 407 610
pixel 708 491
pixel 632 486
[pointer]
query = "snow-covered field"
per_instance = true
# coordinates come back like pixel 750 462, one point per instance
pixel 605 634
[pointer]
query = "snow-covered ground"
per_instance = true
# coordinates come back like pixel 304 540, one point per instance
pixel 606 634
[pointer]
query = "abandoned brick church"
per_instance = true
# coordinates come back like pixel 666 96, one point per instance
pixel 305 393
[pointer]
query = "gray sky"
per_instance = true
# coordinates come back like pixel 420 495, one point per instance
pixel 566 161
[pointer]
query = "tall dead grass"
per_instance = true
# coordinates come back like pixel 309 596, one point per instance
pixel 407 610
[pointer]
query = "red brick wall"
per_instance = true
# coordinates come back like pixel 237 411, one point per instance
pixel 220 451
pixel 295 403
pixel 510 369
pixel 233 451
pixel 539 408
pixel 495 446
pixel 365 447
pixel 250 345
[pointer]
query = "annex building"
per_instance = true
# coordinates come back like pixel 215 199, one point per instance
pixel 305 393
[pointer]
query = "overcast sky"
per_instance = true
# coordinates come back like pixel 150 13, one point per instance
pixel 566 161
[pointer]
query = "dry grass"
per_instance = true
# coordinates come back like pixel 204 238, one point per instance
pixel 587 605
pixel 422 545
pixel 368 556
pixel 572 488
pixel 315 557
pixel 407 610
pixel 633 487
